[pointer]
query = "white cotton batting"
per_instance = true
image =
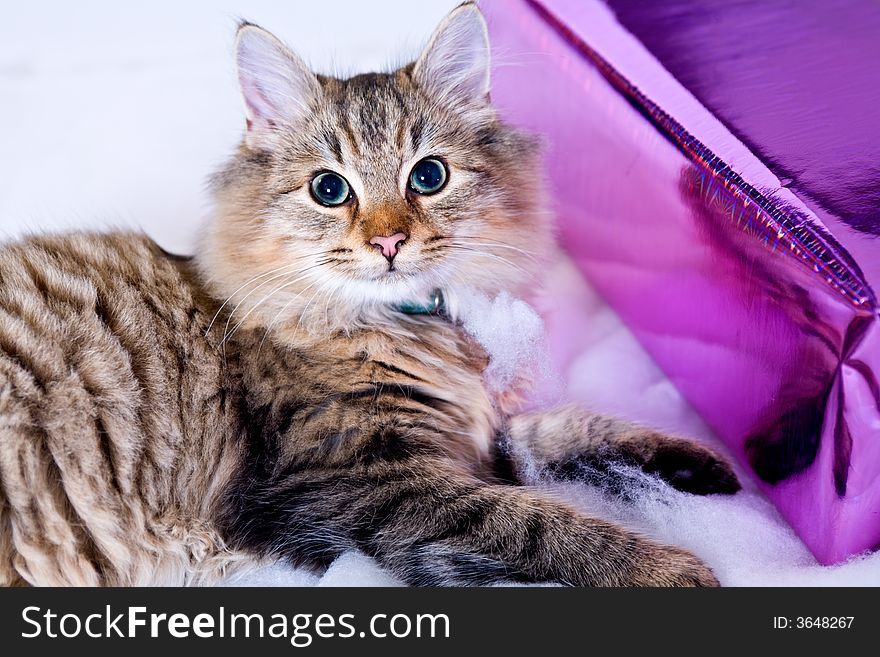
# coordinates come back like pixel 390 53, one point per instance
pixel 512 333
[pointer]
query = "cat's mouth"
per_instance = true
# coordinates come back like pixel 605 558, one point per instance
pixel 390 275
pixel 394 273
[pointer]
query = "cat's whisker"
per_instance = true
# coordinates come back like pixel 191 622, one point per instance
pixel 229 334
pixel 272 324
pixel 296 259
pixel 288 304
pixel 302 314
pixel 257 305
pixel 484 238
pixel 500 245
pixel 274 278
pixel 278 316
pixel 249 282
pixel 487 242
pixel 504 260
pixel 336 289
pixel 490 255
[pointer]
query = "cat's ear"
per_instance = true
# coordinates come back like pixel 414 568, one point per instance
pixel 455 63
pixel 278 88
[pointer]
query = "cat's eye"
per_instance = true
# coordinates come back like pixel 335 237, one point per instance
pixel 330 188
pixel 428 176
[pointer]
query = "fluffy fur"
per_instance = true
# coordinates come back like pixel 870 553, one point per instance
pixel 164 421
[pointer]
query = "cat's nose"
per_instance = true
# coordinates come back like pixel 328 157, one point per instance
pixel 389 246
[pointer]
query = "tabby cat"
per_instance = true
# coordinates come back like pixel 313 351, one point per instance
pixel 166 420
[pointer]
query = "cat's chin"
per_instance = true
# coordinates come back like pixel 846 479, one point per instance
pixel 390 277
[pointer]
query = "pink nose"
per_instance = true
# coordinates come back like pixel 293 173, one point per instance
pixel 389 246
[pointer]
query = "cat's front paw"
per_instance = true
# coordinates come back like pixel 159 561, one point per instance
pixel 692 468
pixel 671 566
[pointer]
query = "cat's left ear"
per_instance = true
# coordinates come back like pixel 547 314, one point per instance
pixel 455 63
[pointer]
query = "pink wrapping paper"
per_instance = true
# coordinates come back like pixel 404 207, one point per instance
pixel 756 313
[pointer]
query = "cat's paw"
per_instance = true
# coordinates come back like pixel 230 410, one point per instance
pixel 691 468
pixel 672 566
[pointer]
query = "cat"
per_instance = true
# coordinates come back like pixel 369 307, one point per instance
pixel 302 387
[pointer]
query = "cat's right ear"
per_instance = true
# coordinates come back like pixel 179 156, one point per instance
pixel 277 87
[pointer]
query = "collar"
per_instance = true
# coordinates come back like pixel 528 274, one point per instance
pixel 435 305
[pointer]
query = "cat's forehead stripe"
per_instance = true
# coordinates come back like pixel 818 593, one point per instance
pixel 332 141
pixel 349 133
pixel 416 132
pixel 400 136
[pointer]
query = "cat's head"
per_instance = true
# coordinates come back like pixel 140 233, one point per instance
pixel 357 196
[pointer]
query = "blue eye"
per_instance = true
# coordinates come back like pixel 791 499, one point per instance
pixel 428 176
pixel 330 188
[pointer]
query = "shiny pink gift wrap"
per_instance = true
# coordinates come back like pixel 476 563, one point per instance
pixel 751 307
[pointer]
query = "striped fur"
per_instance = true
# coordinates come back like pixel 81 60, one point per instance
pixel 166 421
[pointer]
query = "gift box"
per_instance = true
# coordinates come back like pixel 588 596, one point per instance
pixel 749 285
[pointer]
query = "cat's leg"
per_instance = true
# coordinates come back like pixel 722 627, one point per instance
pixel 570 443
pixel 431 525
